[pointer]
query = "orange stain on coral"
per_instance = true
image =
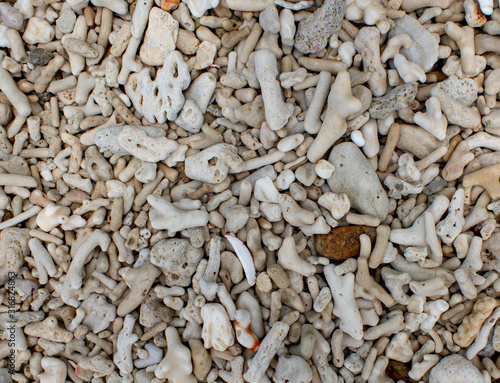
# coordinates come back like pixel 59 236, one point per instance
pixel 77 371
pixel 255 346
pixel 169 5
pixel 255 341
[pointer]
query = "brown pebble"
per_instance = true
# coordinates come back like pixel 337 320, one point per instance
pixel 397 371
pixel 342 242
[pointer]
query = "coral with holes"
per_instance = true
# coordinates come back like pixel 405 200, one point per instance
pixel 314 31
pixel 490 252
pixel 463 90
pixel 212 164
pixel 160 99
pixel 398 98
pixel 178 260
pixel 455 369
pixel 106 138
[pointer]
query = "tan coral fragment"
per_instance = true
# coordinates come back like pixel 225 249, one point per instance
pixel 488 177
pixel 472 323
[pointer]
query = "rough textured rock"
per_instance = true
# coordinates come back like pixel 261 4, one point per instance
pixel 356 177
pixel 490 253
pixel 140 145
pixel 177 259
pixel 106 138
pixel 463 90
pixel 398 98
pixel 314 31
pixel 14 245
pixel 212 164
pixel 39 56
pixel 455 368
pixel 342 242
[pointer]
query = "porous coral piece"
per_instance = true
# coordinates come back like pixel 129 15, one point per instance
pixel 55 370
pixel 290 260
pixel 400 348
pixel 407 70
pixel 395 282
pixel 11 16
pixel 397 99
pixel 473 14
pixel 455 112
pixel 432 120
pixel 313 32
pixel 14 245
pixel 86 242
pixel 38 31
pixel 293 213
pixel 140 145
pixel 449 228
pixel 472 323
pixel 463 90
pixel 160 99
pixel 466 275
pixel 190 118
pixel 126 338
pixel 455 368
pixel 178 260
pixel 212 164
pixel 49 329
pixel 416 140
pixel 258 365
pixel 244 335
pixel 106 138
pixel 341 105
pixel 490 252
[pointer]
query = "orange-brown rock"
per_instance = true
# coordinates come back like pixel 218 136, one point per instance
pixel 342 242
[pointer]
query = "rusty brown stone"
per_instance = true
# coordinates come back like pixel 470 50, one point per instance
pixel 397 371
pixel 342 242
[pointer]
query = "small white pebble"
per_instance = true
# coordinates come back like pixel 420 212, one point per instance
pixel 324 169
pixel 357 138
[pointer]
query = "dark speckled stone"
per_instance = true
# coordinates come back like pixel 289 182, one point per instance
pixel 39 56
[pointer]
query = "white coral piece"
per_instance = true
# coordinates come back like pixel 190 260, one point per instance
pixel 217 330
pixel 160 99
